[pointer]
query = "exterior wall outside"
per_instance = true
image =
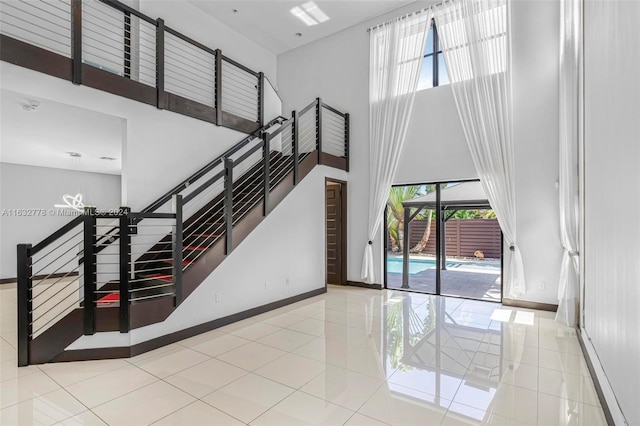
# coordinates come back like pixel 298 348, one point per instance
pixel 464 237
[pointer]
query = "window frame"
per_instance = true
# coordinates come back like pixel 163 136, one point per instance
pixel 436 50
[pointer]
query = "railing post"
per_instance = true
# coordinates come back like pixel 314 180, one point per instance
pixel 90 275
pixel 296 148
pixel 228 204
pixel 161 102
pixel 346 139
pixel 261 98
pixel 266 168
pixel 319 129
pixel 177 249
pixel 125 270
pixel 218 87
pixel 76 40
pixel 127 44
pixel 25 304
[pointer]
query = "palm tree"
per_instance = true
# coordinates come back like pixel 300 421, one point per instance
pixel 428 215
pixel 395 212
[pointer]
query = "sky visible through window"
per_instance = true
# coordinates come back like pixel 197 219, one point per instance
pixel 427 77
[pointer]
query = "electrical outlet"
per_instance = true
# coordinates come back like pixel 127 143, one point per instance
pixel 218 297
pixel 541 285
pixel 286 281
pixel 266 285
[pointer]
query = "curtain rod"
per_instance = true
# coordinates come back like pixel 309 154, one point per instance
pixel 408 15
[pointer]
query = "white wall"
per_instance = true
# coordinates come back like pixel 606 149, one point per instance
pixel 536 29
pixel 611 234
pixel 294 234
pixel 29 187
pixel 336 69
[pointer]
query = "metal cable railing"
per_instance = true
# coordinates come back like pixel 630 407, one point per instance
pixel 189 70
pixel 189 77
pixel 42 23
pixel 334 131
pixel 116 41
pixel 56 278
pixel 307 133
pixel 282 159
pixel 240 91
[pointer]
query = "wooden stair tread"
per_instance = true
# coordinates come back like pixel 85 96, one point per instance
pixel 184 262
pixel 109 299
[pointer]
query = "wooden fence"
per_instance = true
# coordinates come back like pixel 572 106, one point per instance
pixel 463 237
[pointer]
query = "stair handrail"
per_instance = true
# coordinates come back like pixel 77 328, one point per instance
pixel 57 234
pixel 188 181
pixel 112 235
pixel 207 168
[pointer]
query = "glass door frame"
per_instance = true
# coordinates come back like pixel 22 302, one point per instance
pixel 440 257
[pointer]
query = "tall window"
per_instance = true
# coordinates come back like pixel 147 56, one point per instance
pixel 434 70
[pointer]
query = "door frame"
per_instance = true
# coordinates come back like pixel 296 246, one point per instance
pixel 343 229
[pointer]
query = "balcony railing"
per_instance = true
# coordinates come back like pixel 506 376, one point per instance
pixel 109 46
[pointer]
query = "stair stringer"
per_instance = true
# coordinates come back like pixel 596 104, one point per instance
pixel 288 243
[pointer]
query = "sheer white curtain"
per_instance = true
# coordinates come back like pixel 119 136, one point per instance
pixel 396 51
pixel 570 33
pixel 475 37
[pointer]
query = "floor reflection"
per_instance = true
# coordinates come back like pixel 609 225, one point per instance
pixel 348 357
pixel 446 350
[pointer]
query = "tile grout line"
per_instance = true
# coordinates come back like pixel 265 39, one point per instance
pixel 366 346
pixel 74 397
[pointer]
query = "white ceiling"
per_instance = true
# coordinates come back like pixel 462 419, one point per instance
pixel 270 23
pixel 43 137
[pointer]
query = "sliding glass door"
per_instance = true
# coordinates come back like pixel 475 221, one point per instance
pixel 443 238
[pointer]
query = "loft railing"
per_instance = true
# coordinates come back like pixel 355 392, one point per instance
pixel 109 46
pixel 118 259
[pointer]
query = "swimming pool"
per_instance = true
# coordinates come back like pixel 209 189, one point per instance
pixel 394 265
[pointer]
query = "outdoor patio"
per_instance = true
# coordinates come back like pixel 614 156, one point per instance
pixel 461 280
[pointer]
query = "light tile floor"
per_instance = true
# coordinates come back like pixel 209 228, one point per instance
pixel 349 357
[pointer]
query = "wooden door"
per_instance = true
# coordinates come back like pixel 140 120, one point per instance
pixel 334 233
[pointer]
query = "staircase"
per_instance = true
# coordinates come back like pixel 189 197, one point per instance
pixel 111 271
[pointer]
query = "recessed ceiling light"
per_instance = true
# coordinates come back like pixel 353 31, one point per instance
pixel 309 13
pixel 314 10
pixel 303 16
pixel 74 154
pixel 298 34
pixel 108 158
